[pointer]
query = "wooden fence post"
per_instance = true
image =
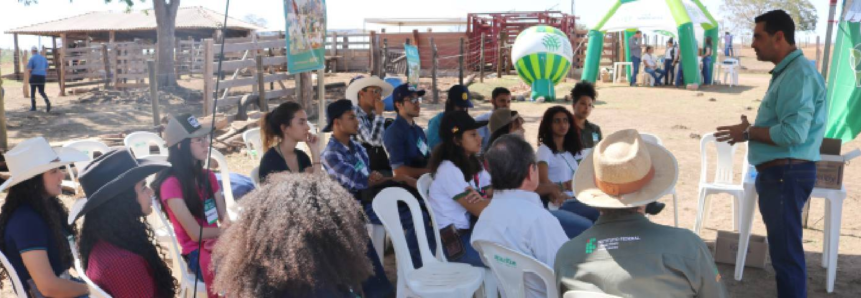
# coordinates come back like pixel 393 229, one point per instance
pixel 153 91
pixel 62 70
pixel 434 66
pixel 106 61
pixel 481 61
pixel 818 52
pixel 208 88
pixel 373 54
pixel 17 58
pixel 460 64
pixel 385 59
pixel 4 145
pixel 499 45
pixel 261 83
pixel 25 86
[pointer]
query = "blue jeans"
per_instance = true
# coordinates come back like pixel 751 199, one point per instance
pixel 377 285
pixel 635 69
pixel 572 223
pixel 728 51
pixel 680 76
pixel 669 72
pixel 193 265
pixel 783 191
pixel 576 207
pixel 657 74
pixel 470 256
pixel 707 70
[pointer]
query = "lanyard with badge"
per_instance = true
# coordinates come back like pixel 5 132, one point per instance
pixel 210 210
pixel 423 147
pixel 360 166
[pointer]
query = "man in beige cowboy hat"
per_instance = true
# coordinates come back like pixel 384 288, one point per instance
pixel 624 253
pixel 366 94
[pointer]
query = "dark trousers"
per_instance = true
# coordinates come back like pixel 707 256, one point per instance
pixel 669 72
pixel 635 69
pixel 37 82
pixel 783 191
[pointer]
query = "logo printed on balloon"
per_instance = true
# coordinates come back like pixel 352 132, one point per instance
pixel 855 61
pixel 542 56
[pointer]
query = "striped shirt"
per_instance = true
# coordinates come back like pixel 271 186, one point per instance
pixel 347 165
pixel 371 128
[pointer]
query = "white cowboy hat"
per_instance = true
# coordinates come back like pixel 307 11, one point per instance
pixel 623 171
pixel 35 156
pixel 363 82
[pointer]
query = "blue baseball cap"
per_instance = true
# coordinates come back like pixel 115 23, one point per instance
pixel 405 90
pixel 460 95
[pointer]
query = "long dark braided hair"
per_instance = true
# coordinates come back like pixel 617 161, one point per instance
pixel 32 193
pixel 121 223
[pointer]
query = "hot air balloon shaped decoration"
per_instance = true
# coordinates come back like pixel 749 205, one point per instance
pixel 542 56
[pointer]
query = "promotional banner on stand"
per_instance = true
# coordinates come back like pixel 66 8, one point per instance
pixel 306 34
pixel 844 78
pixel 413 64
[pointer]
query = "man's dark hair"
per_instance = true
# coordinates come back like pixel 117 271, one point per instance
pixel 507 172
pixel 778 20
pixel 638 32
pixel 583 88
pixel 648 48
pixel 499 91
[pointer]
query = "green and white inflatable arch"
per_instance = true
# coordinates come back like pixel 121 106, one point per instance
pixel 671 15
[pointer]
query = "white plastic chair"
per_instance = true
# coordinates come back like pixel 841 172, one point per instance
pixel 255 176
pixel 730 69
pixel 226 190
pixel 831 242
pixel 17 284
pixel 434 278
pixel 187 279
pixel 586 294
pixel 95 291
pixel 723 182
pixel 423 185
pixel 511 274
pixel 654 139
pixel 139 142
pixel 253 143
pixel 88 147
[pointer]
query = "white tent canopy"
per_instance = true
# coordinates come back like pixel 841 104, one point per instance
pixel 852 11
pixel 651 15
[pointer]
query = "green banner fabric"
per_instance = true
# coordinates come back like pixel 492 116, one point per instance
pixel 413 65
pixel 844 85
pixel 306 34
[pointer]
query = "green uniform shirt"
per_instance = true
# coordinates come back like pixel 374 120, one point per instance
pixel 630 256
pixel 794 111
pixel 590 135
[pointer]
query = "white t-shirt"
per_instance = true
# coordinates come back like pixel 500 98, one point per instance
pixel 649 60
pixel 560 166
pixel 447 184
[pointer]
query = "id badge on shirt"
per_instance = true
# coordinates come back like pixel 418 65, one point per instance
pixel 210 211
pixel 360 167
pixel 423 147
pixel 595 137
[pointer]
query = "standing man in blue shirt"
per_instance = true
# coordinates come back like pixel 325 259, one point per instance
pixel 405 140
pixel 38 67
pixel 635 46
pixel 784 144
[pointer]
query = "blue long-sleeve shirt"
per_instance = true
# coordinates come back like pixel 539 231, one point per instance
pixel 38 65
pixel 794 111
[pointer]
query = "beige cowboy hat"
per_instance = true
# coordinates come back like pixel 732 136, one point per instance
pixel 623 171
pixel 35 156
pixel 361 82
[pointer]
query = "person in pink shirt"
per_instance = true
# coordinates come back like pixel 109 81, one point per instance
pixel 117 248
pixel 190 194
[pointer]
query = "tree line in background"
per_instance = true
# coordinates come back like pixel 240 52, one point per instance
pixel 739 14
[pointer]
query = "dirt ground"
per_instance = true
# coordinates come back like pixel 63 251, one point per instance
pixel 677 116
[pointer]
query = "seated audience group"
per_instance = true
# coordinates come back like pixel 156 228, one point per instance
pixel 302 232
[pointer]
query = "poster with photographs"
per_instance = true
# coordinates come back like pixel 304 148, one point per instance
pixel 413 64
pixel 306 34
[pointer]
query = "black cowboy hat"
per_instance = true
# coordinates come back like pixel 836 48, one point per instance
pixel 109 175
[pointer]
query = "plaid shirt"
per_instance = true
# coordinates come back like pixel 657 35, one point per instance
pixel 349 166
pixel 371 128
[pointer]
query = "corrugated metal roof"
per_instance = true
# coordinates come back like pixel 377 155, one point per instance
pixel 104 21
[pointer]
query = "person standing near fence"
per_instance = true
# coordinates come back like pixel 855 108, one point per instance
pixel 635 46
pixel 784 145
pixel 38 67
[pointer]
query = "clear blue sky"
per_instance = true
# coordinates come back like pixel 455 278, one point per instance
pixel 343 14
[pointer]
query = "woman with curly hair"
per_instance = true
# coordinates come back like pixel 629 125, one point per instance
pixel 190 194
pixel 281 130
pixel 33 220
pixel 307 236
pixel 116 244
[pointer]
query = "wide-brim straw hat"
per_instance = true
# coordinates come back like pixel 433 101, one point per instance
pixel 34 157
pixel 623 171
pixel 362 83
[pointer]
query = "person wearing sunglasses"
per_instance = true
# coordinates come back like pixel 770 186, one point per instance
pixel 405 140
